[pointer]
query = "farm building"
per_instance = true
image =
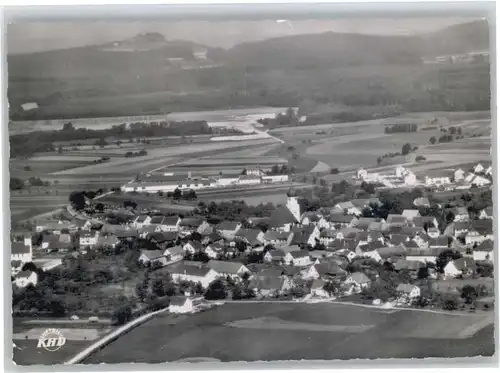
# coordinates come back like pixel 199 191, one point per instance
pixel 232 269
pixel 484 251
pixel 180 304
pixel 21 251
pixel 152 256
pixel 194 273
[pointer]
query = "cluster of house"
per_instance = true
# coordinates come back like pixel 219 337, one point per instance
pixel 400 177
pixel 458 179
pixel 296 249
pixel 170 182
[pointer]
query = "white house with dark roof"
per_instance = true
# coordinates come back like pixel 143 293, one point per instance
pixel 141 221
pixel 180 304
pixel 278 238
pixel 480 181
pixel 278 256
pixel 228 228
pixel 480 231
pixel 313 218
pixel 408 291
pixel 225 269
pixel 25 278
pixel 462 266
pixel 461 214
pixel 213 251
pixel 190 225
pixel 458 175
pixel 89 239
pixel 108 241
pixel 347 208
pixel 437 180
pixel 192 247
pixel 339 220
pixel 157 221
pixel 327 236
pixel 478 168
pixel 370 250
pixel 484 251
pixel 169 224
pixel 486 213
pixel 193 273
pixel 359 280
pixel 308 235
pixel 410 214
pixel 460 228
pixel 152 256
pixel 174 254
pixel 425 221
pixel 266 286
pixel 318 289
pixel 300 258
pixel 147 230
pixel 55 227
pixel 439 243
pixel 21 251
pixel 395 220
pixel 423 255
pixel 251 236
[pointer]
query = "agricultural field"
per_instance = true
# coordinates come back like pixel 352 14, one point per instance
pixel 158 156
pixel 312 331
pixel 147 202
pixel 78 336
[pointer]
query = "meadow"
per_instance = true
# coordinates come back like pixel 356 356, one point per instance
pixel 400 334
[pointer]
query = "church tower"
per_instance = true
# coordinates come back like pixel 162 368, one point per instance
pixel 292 203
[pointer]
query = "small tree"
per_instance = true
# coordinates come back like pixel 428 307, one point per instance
pixel 469 294
pixel 432 140
pixel 450 304
pixel 177 194
pixel 406 149
pixel 122 315
pixel 216 290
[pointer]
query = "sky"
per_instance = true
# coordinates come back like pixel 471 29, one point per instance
pixel 28 37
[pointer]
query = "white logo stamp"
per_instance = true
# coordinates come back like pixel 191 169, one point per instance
pixel 51 340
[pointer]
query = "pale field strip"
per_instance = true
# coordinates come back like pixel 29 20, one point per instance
pixel 274 323
pixel 319 148
pixel 459 327
pixel 156 155
pixel 64 158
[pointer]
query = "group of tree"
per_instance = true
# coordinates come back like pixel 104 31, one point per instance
pixel 188 195
pixel 281 170
pixel 27 144
pixel 402 127
pixel 140 153
pixel 236 210
pixel 289 118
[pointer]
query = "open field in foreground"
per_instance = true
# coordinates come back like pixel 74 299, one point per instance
pixel 400 334
pixel 25 337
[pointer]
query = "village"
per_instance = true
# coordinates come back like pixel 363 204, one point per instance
pixel 350 252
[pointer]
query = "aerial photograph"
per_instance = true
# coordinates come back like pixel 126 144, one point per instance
pixel 250 189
